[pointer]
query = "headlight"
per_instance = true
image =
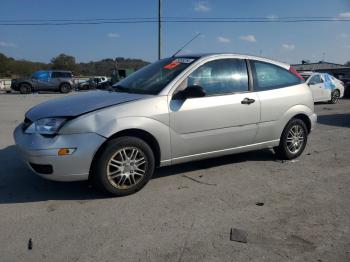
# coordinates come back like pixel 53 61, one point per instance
pixel 46 126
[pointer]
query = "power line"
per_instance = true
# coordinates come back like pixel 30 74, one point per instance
pixel 171 18
pixel 139 21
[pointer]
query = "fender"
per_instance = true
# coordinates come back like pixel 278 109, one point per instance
pixel 157 129
pixel 275 128
pixel 96 123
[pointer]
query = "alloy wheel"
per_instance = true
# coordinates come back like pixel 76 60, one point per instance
pixel 126 167
pixel 295 139
pixel 335 96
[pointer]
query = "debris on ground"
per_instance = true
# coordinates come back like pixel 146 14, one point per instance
pixel 238 235
pixel 181 187
pixel 198 181
pixel 260 204
pixel 30 244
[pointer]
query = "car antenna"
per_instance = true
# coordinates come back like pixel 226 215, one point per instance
pixel 178 51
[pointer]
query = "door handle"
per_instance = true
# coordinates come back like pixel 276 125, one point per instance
pixel 247 101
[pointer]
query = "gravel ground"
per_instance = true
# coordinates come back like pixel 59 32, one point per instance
pixel 187 211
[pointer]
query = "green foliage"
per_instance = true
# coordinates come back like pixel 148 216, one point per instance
pixel 12 68
pixel 64 62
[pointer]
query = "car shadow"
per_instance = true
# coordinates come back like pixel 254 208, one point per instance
pixel 18 184
pixel 340 120
pixel 261 155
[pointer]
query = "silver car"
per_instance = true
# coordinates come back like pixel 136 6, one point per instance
pixel 175 110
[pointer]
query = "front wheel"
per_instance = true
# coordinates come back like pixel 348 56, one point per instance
pixel 25 89
pixel 335 96
pixel 293 140
pixel 124 167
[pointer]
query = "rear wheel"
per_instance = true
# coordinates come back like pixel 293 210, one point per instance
pixel 25 88
pixel 293 140
pixel 65 88
pixel 124 167
pixel 335 96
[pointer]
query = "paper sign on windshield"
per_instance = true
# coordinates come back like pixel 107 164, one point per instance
pixel 178 61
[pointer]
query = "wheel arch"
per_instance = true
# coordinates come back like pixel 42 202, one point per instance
pixel 305 119
pixel 65 82
pixel 134 132
pixel 26 83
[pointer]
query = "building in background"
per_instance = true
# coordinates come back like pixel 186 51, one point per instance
pixel 341 72
pixel 322 66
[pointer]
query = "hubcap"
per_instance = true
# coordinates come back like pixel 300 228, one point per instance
pixel 126 167
pixel 295 139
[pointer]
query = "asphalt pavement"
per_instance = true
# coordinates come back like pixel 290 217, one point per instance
pixel 288 210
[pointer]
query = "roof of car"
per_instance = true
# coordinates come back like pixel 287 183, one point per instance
pixel 63 71
pixel 245 56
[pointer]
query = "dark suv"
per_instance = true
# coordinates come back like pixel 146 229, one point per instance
pixel 52 80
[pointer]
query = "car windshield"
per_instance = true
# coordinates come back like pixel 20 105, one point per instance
pixel 153 78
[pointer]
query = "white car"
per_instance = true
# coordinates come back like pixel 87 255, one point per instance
pixel 176 110
pixel 325 87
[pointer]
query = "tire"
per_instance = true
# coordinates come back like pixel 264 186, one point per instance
pixel 288 141
pixel 25 88
pixel 335 96
pixel 125 166
pixel 65 88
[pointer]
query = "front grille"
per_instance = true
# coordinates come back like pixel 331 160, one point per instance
pixel 42 169
pixel 26 124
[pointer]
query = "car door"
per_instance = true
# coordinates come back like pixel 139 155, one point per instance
pixel 42 80
pixel 316 84
pixel 55 80
pixel 225 118
pixel 329 86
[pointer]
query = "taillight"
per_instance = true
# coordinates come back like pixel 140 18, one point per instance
pixel 295 72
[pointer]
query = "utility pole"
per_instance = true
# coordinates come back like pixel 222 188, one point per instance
pixel 159 29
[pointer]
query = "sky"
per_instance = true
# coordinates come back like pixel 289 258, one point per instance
pixel 287 42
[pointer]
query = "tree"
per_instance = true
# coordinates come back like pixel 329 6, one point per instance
pixel 10 67
pixel 347 63
pixel 64 62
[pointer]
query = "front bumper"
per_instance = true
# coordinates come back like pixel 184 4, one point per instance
pixel 313 120
pixel 14 86
pixel 40 151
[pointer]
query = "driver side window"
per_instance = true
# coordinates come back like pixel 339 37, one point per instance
pixel 218 77
pixel 316 80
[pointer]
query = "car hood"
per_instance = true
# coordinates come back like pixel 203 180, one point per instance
pixel 75 105
pixel 22 79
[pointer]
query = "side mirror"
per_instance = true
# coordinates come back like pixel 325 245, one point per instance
pixel 193 91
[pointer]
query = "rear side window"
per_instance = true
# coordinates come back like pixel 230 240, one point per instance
pixel 224 76
pixel 268 76
pixel 61 75
pixel 327 78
